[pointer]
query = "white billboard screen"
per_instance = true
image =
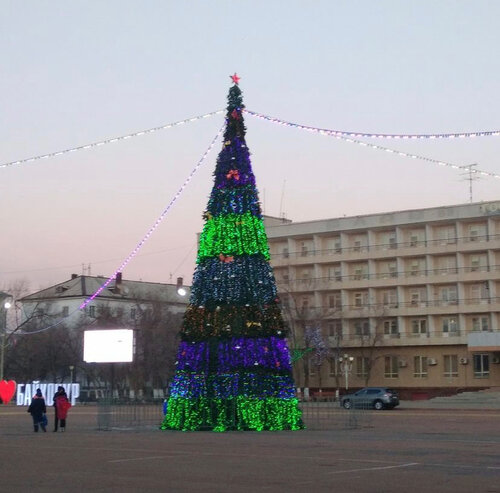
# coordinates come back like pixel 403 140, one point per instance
pixel 108 346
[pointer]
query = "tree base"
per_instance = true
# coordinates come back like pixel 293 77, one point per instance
pixel 240 413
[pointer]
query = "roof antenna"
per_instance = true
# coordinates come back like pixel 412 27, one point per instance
pixel 472 176
pixel 282 214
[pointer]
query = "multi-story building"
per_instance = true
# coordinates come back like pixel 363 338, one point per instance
pixel 407 299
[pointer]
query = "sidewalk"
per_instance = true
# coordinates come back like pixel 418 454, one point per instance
pixel 465 400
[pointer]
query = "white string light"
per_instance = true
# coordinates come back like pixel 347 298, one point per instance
pixel 134 252
pixel 461 135
pixel 341 136
pixel 111 141
pixel 141 243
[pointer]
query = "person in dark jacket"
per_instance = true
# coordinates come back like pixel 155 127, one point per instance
pixel 61 406
pixel 37 410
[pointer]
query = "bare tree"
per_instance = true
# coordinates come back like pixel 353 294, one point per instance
pixel 305 323
pixel 371 337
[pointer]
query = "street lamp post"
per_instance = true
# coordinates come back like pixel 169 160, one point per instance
pixel 346 367
pixel 5 304
pixel 71 368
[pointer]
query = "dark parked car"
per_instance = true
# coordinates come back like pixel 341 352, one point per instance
pixel 371 398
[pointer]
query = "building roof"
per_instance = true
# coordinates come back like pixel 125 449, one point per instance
pixel 385 219
pixel 85 286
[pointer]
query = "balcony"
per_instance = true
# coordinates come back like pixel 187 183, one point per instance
pixel 484 341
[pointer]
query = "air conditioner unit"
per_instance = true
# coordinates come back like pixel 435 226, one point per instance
pixel 431 361
pixel 463 361
pixel 402 363
pixel 496 360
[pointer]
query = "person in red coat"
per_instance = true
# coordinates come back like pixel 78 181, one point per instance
pixel 61 405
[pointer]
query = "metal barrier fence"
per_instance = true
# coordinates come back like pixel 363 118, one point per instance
pixel 328 415
pixel 139 415
pixel 115 414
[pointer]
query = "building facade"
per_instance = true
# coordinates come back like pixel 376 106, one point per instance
pixel 125 297
pixel 406 299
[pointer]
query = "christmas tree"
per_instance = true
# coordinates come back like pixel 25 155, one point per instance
pixel 233 365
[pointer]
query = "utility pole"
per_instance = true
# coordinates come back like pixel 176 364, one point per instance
pixel 5 304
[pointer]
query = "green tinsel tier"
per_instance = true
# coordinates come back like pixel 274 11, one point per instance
pixel 233 234
pixel 238 413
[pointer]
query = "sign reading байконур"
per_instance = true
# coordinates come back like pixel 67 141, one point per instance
pixel 26 391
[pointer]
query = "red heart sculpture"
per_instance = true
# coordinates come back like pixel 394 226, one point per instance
pixel 7 390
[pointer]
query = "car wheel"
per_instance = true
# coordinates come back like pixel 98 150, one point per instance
pixel 378 405
pixel 347 404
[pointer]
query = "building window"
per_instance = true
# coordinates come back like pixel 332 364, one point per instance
pixel 479 293
pixel 417 296
pixel 391 326
pixel 65 311
pixel 419 326
pixel 303 250
pixel 334 369
pixel 477 232
pixel 360 299
pixel 335 329
pixel 334 300
pixel 481 365
pixel 450 325
pixel 133 313
pixel 362 365
pixel 420 366
pixel 450 363
pixel 391 367
pixel 91 311
pixel 390 298
pixel 413 240
pixel 357 246
pixel 286 254
pixel 480 324
pixel 448 295
pixel 446 235
pixel 361 327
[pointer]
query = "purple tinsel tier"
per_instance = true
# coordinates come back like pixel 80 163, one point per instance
pixel 227 385
pixel 233 354
pixel 234 156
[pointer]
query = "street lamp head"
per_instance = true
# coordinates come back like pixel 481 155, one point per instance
pixel 7 305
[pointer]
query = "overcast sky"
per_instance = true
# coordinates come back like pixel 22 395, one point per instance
pixel 82 71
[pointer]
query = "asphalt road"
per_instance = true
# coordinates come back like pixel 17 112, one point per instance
pixel 403 450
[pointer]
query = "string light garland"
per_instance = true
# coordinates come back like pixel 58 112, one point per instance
pixel 451 135
pixel 111 140
pixel 134 252
pixel 343 136
pixel 139 245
